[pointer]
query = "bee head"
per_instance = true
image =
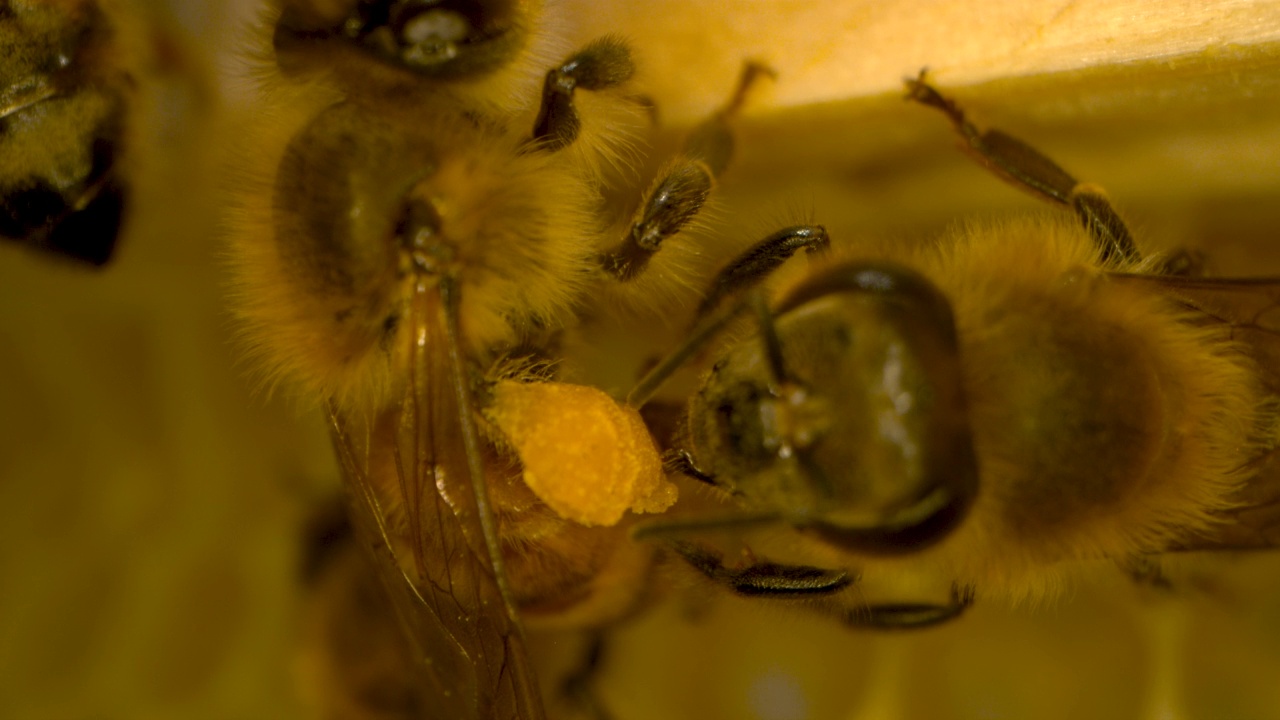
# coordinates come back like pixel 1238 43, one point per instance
pixel 859 422
pixel 437 38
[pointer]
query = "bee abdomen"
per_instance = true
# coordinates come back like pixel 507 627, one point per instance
pixel 1113 434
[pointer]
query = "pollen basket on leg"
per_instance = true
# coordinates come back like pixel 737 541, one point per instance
pixel 585 456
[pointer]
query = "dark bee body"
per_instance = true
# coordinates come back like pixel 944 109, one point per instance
pixel 65 109
pixel 986 411
pixel 424 226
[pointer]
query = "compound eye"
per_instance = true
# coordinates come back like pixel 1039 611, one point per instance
pixel 440 38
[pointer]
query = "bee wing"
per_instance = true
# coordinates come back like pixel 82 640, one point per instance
pixel 1250 308
pixel 419 503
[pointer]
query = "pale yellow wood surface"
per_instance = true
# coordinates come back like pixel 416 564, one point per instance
pixel 828 51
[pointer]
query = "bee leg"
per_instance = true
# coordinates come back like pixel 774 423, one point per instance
pixel 740 275
pixel 910 616
pixel 764 579
pixel 578 687
pixel 1024 166
pixel 759 261
pixel 795 581
pixel 1183 263
pixel 680 461
pixel 602 64
pixel 683 185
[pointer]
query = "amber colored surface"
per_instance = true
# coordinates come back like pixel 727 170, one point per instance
pixel 151 500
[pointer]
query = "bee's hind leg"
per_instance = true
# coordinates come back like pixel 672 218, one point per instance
pixel 683 184
pixel 1024 166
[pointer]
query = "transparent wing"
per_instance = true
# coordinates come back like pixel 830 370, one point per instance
pixel 1250 308
pixel 418 503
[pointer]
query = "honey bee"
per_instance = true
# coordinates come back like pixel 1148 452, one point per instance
pixel 65 661
pixel 984 411
pixel 410 256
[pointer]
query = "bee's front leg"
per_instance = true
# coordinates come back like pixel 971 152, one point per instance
pixel 736 280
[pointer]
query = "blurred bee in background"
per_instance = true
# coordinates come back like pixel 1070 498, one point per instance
pixel 411 255
pixel 981 412
pixel 67 91
pixel 90 90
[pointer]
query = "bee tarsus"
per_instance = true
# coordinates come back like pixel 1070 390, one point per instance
pixel 763 579
pixel 600 65
pixel 680 461
pixel 909 616
pixel 760 261
pixel 683 184
pixel 742 274
pixel 1022 165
